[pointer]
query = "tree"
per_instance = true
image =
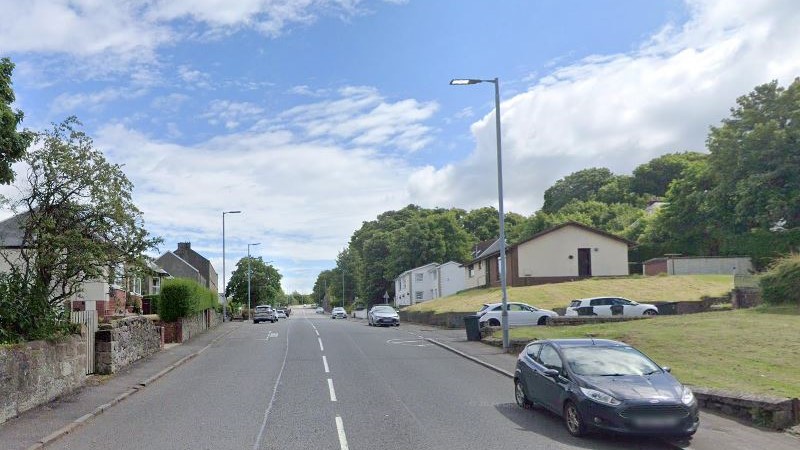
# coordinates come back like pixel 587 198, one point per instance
pixel 265 283
pixel 79 218
pixel 654 177
pixel 580 185
pixel 12 143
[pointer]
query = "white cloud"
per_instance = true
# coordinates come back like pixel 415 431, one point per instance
pixel 70 102
pixel 231 114
pixel 621 110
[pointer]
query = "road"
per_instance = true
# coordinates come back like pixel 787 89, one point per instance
pixel 309 382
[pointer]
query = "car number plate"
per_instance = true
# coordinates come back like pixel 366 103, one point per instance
pixel 655 422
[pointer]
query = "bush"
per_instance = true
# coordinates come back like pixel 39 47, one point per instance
pixel 781 284
pixel 25 313
pixel 181 298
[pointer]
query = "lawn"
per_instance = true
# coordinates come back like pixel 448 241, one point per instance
pixel 754 350
pixel 548 296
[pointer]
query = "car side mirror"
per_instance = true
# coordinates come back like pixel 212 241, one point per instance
pixel 666 369
pixel 552 373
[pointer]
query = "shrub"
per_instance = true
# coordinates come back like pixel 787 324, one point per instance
pixel 181 298
pixel 781 283
pixel 25 313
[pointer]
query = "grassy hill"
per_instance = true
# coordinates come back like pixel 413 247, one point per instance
pixel 549 296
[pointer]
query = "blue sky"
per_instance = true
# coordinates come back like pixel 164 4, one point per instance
pixel 313 116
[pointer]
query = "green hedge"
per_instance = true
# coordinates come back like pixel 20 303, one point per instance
pixel 181 297
pixel 781 284
pixel 25 313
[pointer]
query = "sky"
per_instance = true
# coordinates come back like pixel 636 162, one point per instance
pixel 313 116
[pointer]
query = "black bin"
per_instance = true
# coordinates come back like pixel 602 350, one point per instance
pixel 473 328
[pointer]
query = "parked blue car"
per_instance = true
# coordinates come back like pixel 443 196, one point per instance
pixel 597 384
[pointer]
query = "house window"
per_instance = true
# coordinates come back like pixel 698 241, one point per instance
pixel 479 265
pixel 137 286
pixel 418 295
pixel 434 275
pixel 156 285
pixel 119 276
pixel 497 272
pixel 471 271
pixel 418 277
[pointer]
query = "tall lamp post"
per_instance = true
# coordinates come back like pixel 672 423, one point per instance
pixel 249 274
pixel 502 256
pixel 224 290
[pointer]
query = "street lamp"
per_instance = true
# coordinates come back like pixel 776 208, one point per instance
pixel 502 257
pixel 224 292
pixel 249 274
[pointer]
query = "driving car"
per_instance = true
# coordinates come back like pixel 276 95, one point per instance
pixel 319 310
pixel 380 315
pixel 598 384
pixel 264 313
pixel 338 313
pixel 280 314
pixel 609 306
pixel 518 314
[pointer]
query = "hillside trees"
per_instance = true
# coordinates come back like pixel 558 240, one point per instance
pixel 265 282
pixel 13 143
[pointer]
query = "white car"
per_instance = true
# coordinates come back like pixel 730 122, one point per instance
pixel 280 314
pixel 519 314
pixel 609 306
pixel 380 315
pixel 319 310
pixel 338 313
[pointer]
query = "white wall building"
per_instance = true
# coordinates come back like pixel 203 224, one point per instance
pixel 428 282
pixel 451 278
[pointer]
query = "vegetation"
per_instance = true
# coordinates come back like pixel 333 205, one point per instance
pixel 265 283
pixel 781 284
pixel 25 313
pixel 754 350
pixel 182 297
pixel 13 143
pixel 549 296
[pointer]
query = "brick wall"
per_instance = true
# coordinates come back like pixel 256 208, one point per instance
pixel 37 372
pixel 124 341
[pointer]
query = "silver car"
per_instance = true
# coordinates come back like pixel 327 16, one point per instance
pixel 338 313
pixel 264 313
pixel 381 315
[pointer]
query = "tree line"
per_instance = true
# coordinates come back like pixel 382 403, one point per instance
pixel 740 197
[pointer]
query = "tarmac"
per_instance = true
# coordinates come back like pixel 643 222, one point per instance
pixel 44 424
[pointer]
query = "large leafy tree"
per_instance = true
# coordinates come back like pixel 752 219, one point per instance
pixel 265 282
pixel 654 177
pixel 13 143
pixel 78 217
pixel 580 185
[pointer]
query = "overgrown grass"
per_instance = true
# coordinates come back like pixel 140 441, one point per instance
pixel 755 350
pixel 548 296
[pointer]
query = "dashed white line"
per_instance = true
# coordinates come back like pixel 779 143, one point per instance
pixel 330 388
pixel 340 430
pixel 274 391
pixel 325 361
pixel 315 331
pixel 321 348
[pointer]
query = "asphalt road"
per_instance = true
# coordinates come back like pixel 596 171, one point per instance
pixel 310 382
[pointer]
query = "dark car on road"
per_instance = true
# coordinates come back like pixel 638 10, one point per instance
pixel 597 384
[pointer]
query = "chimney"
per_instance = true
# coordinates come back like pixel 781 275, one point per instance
pixel 184 245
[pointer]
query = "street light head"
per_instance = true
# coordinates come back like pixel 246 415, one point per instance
pixel 463 81
pixel 257 243
pixel 231 212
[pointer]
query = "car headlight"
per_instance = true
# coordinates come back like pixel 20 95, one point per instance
pixel 688 397
pixel 600 397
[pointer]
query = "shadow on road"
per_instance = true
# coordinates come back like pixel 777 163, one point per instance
pixel 543 423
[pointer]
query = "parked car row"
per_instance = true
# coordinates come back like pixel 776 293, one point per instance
pixel 522 314
pixel 266 313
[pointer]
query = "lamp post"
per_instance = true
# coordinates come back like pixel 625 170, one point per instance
pixel 224 290
pixel 249 274
pixel 502 256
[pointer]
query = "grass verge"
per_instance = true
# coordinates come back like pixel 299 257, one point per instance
pixel 548 296
pixel 755 350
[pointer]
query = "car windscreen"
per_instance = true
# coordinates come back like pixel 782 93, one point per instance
pixel 262 308
pixel 483 308
pixel 575 304
pixel 608 361
pixel 383 309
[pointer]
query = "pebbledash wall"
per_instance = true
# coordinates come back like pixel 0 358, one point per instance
pixel 37 372
pixel 124 341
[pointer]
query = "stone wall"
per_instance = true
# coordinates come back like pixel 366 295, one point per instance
pixel 124 341
pixel 189 327
pixel 36 372
pixel 746 297
pixel 770 412
pixel 447 320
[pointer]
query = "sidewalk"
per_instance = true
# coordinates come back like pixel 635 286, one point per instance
pixel 46 422
pixel 716 432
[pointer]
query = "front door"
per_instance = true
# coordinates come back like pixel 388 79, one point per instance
pixel 584 262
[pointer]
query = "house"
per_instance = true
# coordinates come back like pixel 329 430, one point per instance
pixel 187 263
pixel 428 282
pixel 475 271
pixel 690 265
pixel 569 251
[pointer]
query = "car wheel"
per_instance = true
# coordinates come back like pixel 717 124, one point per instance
pixel 542 321
pixel 494 323
pixel 520 397
pixel 650 312
pixel 397 324
pixel 573 421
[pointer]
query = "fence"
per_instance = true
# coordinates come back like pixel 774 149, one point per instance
pixel 89 319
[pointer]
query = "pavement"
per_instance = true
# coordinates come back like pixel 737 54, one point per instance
pixel 47 423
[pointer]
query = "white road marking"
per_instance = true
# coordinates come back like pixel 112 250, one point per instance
pixel 274 391
pixel 340 430
pixel 325 361
pixel 330 388
pixel 315 331
pixel 321 348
